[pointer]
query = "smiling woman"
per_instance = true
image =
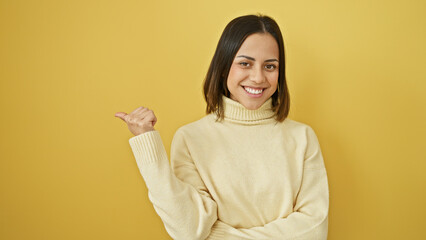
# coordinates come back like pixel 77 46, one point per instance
pixel 243 171
pixel 249 67
pixel 253 76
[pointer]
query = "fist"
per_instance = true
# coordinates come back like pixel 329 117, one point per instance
pixel 141 120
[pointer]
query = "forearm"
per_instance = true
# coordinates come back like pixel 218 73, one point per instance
pixel 283 229
pixel 308 221
pixel 185 211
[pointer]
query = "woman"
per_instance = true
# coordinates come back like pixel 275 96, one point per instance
pixel 244 171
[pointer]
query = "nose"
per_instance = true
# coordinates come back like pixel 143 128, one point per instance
pixel 257 75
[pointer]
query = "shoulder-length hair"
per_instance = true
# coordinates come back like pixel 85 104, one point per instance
pixel 230 42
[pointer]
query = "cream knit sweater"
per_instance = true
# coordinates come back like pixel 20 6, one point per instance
pixel 248 177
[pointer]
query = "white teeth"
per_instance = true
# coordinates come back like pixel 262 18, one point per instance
pixel 253 91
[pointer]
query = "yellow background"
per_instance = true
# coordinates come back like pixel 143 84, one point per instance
pixel 356 73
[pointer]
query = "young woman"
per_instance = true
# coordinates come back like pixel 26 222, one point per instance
pixel 245 170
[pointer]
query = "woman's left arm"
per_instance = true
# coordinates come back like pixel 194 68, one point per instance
pixel 310 217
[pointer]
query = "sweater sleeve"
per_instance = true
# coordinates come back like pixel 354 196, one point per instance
pixel 183 203
pixel 309 220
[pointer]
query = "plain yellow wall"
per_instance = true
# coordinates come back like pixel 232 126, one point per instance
pixel 355 69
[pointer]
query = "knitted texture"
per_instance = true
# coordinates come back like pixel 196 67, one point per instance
pixel 247 177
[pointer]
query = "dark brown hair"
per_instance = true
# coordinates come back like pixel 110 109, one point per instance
pixel 230 42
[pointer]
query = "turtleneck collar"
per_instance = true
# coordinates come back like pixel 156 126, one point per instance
pixel 237 113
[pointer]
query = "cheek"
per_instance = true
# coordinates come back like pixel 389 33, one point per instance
pixel 273 79
pixel 234 77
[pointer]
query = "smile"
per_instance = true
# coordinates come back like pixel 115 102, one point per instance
pixel 253 91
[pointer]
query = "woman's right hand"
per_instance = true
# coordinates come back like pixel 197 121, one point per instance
pixel 141 120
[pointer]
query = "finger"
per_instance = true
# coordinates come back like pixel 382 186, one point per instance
pixel 150 117
pixel 121 115
pixel 140 109
pixel 154 122
pixel 143 114
pixel 139 112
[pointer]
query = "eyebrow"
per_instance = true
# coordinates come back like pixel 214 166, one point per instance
pixel 250 58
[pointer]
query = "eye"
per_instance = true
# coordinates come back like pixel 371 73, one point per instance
pixel 271 67
pixel 244 64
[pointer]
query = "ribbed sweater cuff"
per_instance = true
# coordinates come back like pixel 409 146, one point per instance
pixel 216 234
pixel 148 148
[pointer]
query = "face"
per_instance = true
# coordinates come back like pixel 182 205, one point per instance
pixel 253 76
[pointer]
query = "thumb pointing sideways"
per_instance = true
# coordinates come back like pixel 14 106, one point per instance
pixel 141 120
pixel 120 115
